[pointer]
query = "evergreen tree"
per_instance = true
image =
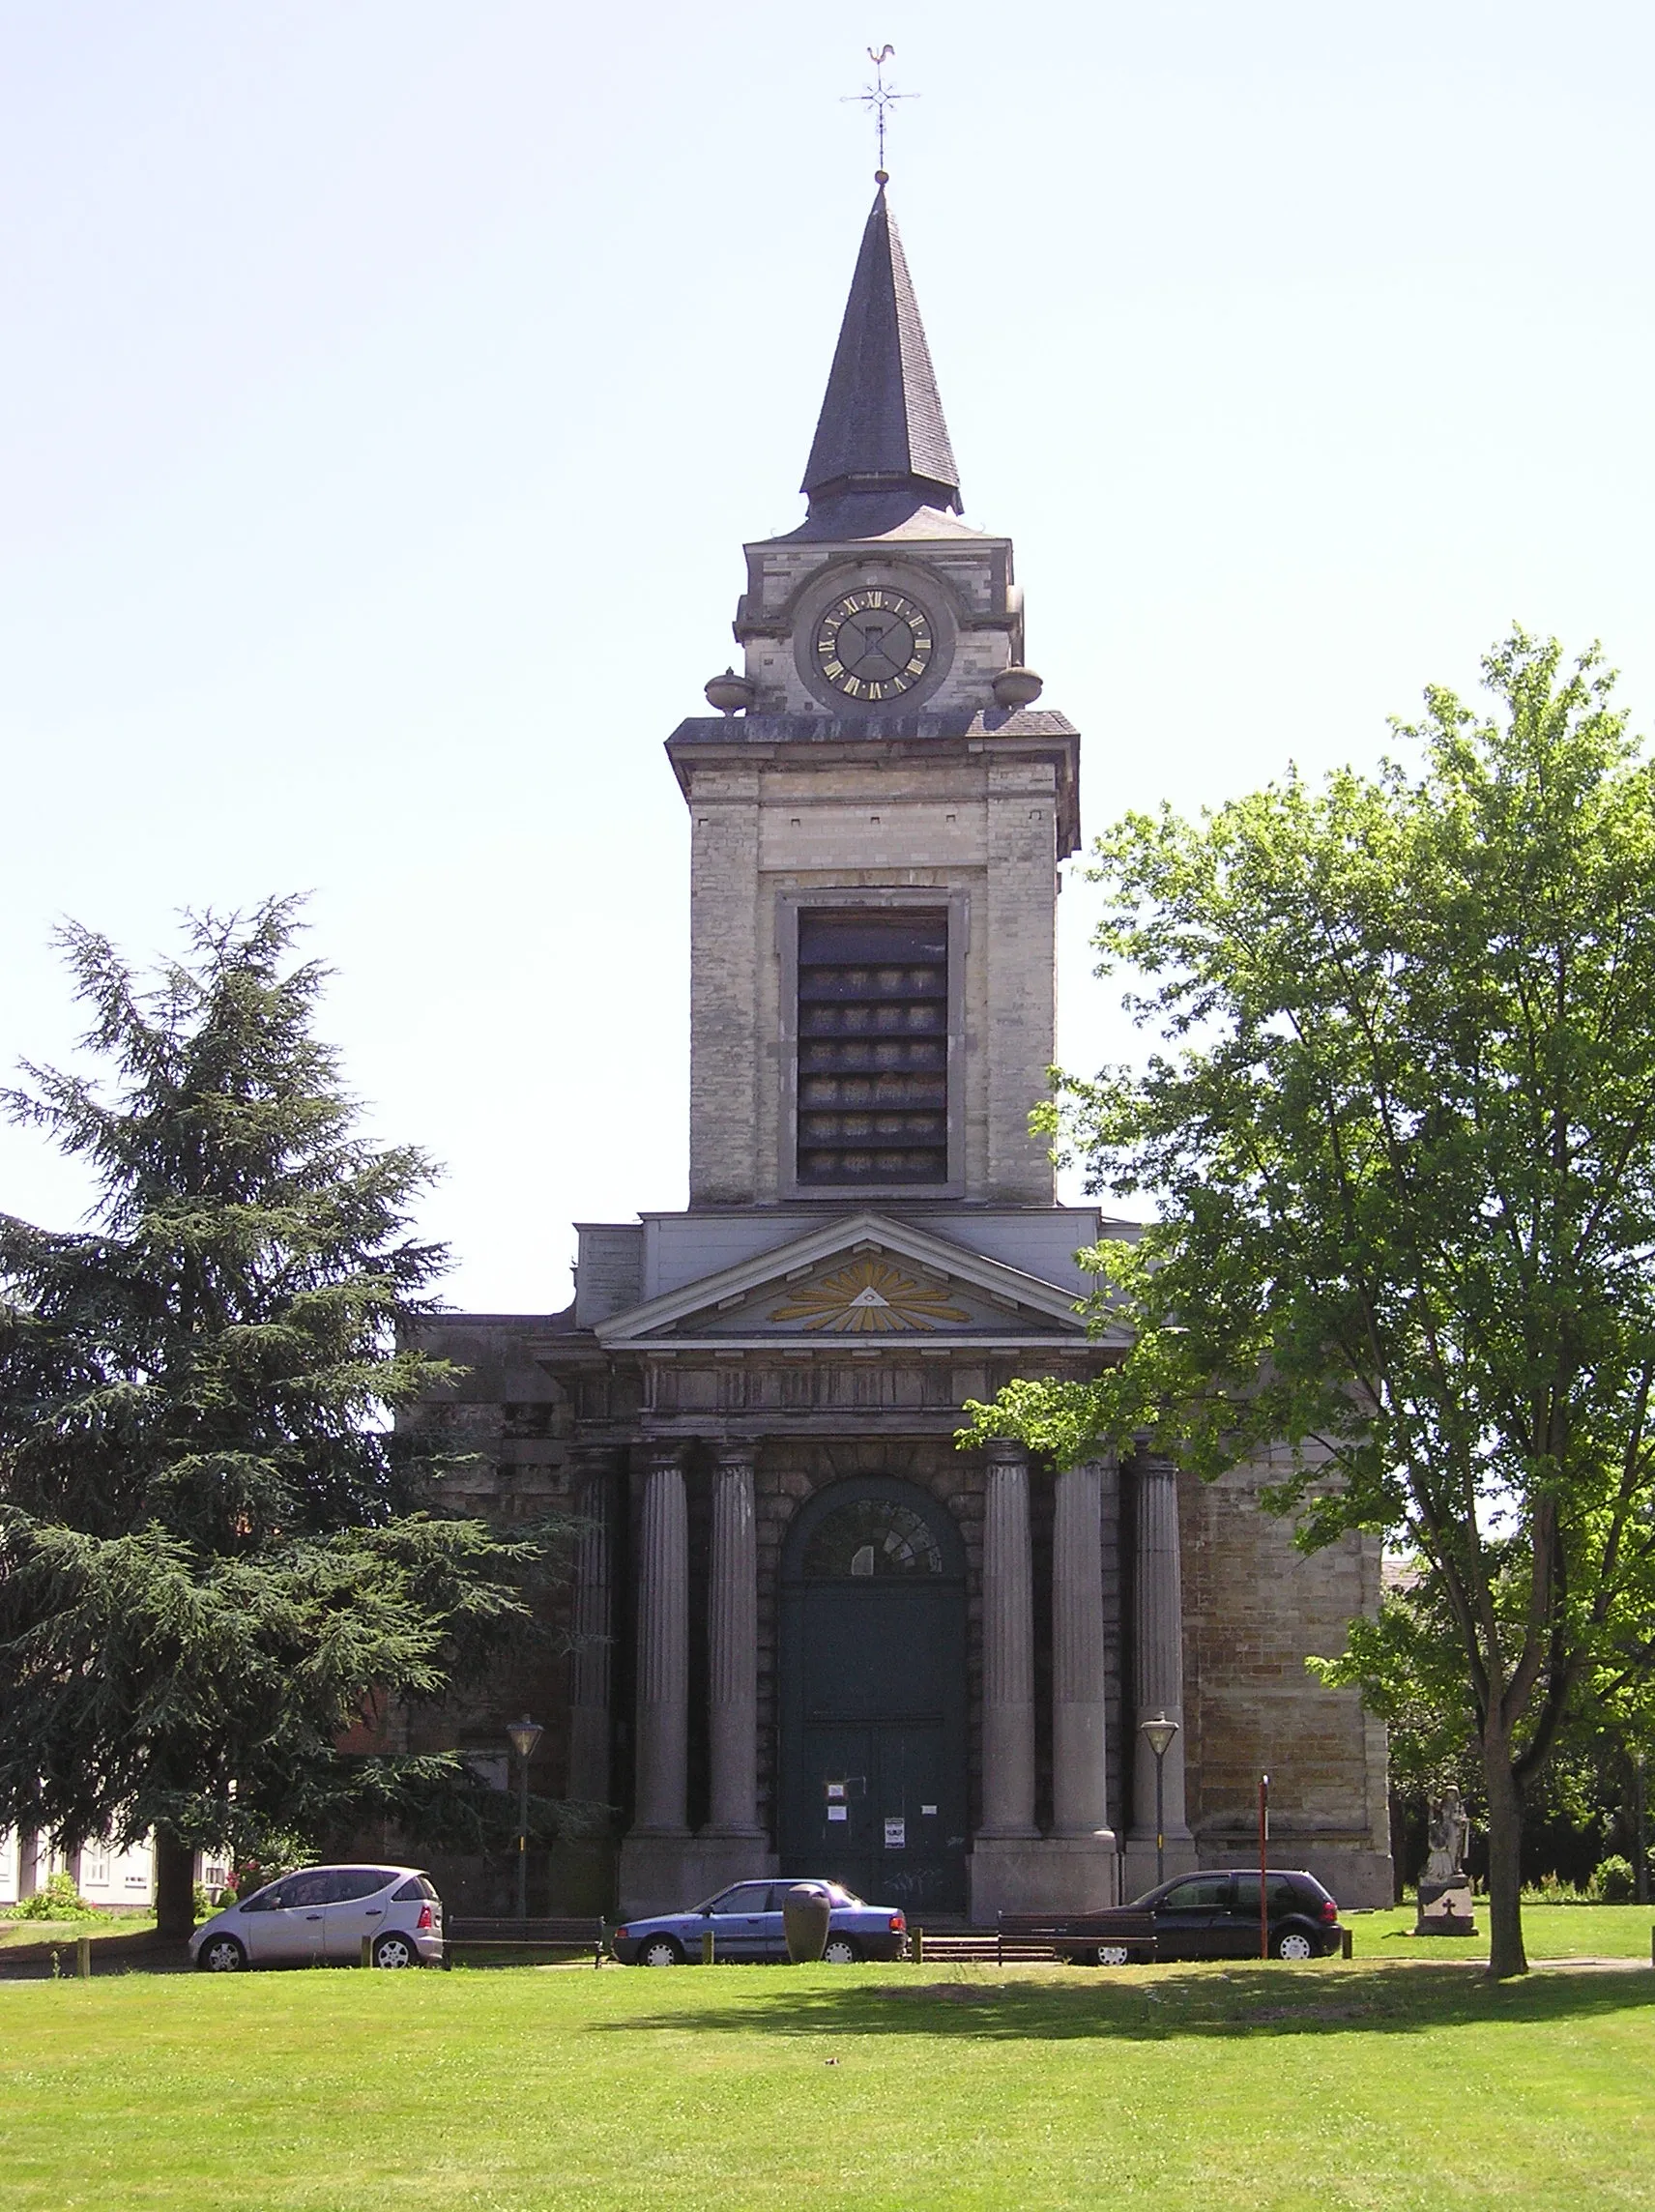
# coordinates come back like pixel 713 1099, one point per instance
pixel 211 1563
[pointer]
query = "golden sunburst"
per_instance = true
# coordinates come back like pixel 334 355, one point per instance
pixel 868 1297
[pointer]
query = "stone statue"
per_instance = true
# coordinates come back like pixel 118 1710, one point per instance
pixel 1444 1887
pixel 1447 1835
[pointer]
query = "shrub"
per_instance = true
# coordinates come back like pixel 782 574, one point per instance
pixel 57 1899
pixel 1612 1883
pixel 1553 1889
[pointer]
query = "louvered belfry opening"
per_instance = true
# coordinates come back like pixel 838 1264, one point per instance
pixel 873 1046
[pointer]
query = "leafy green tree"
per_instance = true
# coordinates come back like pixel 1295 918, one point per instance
pixel 1401 1130
pixel 211 1560
pixel 1408 1665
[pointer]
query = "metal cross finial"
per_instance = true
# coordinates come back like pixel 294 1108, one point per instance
pixel 876 97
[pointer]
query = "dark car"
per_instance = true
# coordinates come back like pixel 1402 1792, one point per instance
pixel 1209 1915
pixel 746 1922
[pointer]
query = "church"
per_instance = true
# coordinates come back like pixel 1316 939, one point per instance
pixel 805 1633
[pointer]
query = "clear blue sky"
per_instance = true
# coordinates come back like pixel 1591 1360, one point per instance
pixel 387 389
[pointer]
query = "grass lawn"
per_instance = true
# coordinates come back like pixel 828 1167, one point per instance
pixel 21 1934
pixel 1549 1932
pixel 1390 2086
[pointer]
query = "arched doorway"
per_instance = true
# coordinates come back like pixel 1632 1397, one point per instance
pixel 873 1695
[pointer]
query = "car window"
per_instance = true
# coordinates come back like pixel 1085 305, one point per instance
pixel 1206 1893
pixel 1283 1897
pixel 414 1888
pixel 307 1889
pixel 354 1881
pixel 263 1900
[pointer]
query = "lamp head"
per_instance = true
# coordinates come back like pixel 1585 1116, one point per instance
pixel 1159 1732
pixel 525 1734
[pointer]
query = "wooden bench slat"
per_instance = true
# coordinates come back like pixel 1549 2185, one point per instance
pixel 472 1929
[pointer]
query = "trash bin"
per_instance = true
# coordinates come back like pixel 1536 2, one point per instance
pixel 805 1912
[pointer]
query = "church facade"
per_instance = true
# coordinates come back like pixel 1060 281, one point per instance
pixel 809 1634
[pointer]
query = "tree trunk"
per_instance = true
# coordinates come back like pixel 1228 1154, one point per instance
pixel 1506 1954
pixel 175 1888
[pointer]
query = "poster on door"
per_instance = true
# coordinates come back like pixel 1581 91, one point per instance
pixel 895 1835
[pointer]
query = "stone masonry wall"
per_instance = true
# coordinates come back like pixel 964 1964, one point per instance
pixel 1254 1606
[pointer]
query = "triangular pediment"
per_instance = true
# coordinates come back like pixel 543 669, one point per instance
pixel 862 1278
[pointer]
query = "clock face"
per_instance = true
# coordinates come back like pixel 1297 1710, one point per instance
pixel 873 644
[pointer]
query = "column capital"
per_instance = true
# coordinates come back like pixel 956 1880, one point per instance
pixel 592 1464
pixel 662 1456
pixel 1154 1465
pixel 1007 1451
pixel 736 1458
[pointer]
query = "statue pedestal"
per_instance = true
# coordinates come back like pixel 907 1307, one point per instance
pixel 1445 1908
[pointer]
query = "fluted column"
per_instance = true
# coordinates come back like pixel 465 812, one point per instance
pixel 733 1636
pixel 591 1622
pixel 663 1650
pixel 1009 1649
pixel 1158 1653
pixel 1080 1802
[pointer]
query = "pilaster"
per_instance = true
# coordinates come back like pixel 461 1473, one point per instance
pixel 1158 1676
pixel 733 1617
pixel 589 1670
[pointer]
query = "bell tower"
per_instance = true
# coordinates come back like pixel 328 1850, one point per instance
pixel 878 815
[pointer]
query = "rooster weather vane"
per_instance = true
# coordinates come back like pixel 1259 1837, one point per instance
pixel 878 99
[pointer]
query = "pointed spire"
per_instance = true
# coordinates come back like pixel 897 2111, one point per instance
pixel 882 427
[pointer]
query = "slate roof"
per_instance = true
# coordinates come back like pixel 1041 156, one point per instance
pixel 880 430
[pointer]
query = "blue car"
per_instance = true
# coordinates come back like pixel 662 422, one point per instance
pixel 746 1922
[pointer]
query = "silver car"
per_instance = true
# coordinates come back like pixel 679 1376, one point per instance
pixel 320 1918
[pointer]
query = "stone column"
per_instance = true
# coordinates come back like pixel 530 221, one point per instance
pixel 1158 1662
pixel 1009 1649
pixel 591 1622
pixel 663 1650
pixel 1080 1802
pixel 732 1635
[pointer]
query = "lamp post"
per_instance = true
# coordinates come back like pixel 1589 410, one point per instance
pixel 525 1734
pixel 1158 1732
pixel 1640 1887
pixel 1264 1866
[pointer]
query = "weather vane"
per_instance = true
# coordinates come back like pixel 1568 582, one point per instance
pixel 876 97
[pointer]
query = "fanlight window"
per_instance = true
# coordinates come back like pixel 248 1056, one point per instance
pixel 872 1536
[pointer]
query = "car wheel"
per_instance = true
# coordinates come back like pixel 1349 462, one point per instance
pixel 221 1954
pixel 396 1950
pixel 839 1951
pixel 1295 1944
pixel 1114 1955
pixel 661 1951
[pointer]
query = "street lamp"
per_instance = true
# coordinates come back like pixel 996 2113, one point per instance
pixel 1640 1887
pixel 525 1734
pixel 1159 1732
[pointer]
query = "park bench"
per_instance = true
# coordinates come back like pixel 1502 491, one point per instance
pixel 469 1933
pixel 938 1947
pixel 1077 1935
